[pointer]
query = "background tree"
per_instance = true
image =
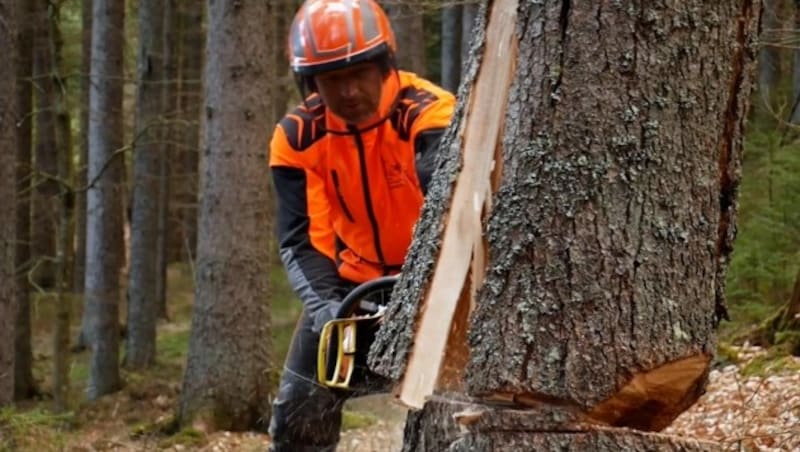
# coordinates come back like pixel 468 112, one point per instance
pixel 794 115
pixel 183 217
pixel 451 46
pixel 25 386
pixel 62 261
pixel 45 181
pixel 769 70
pixel 147 150
pixel 408 24
pixel 609 219
pixel 468 10
pixel 170 89
pixel 104 196
pixel 226 384
pixel 81 181
pixel 8 218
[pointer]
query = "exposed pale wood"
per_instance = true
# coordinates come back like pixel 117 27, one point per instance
pixel 653 399
pixel 482 128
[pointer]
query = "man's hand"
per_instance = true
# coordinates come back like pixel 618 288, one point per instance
pixel 325 315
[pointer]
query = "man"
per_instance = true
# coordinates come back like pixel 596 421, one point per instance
pixel 351 165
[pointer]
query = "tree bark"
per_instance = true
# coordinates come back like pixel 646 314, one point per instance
pixel 170 93
pixel 81 343
pixel 769 58
pixel 451 47
pixel 794 116
pixel 8 155
pixel 147 149
pixel 475 427
pixel 230 353
pixel 24 384
pixel 64 232
pixel 83 148
pixel 104 197
pixel 468 12
pixel 44 205
pixel 408 25
pixel 598 279
pixel 186 158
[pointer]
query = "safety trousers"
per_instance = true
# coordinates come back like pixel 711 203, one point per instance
pixel 306 417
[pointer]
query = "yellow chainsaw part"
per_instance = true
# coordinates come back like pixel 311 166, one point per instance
pixel 345 351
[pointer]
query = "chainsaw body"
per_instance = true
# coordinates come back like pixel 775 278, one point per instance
pixel 345 341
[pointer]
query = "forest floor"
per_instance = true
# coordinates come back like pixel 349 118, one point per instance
pixel 752 401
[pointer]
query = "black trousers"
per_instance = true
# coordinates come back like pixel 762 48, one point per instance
pixel 306 417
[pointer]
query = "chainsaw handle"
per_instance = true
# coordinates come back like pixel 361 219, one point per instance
pixel 357 295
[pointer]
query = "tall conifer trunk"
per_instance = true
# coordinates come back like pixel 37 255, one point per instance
pixel 572 251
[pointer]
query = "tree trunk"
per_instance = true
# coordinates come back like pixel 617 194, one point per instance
pixel 147 149
pixel 478 428
pixel 769 58
pixel 45 196
pixel 64 232
pixel 8 216
pixel 598 257
pixel 83 148
pixel 794 117
pixel 170 92
pixel 408 25
pixel 230 353
pixel 185 161
pixel 24 384
pixel 468 12
pixel 451 47
pixel 104 197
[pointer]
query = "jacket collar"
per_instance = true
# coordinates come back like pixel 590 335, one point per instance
pixel 389 94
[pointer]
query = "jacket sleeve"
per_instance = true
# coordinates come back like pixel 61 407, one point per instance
pixel 426 147
pixel 312 273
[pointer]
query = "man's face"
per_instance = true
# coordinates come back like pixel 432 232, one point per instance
pixel 352 93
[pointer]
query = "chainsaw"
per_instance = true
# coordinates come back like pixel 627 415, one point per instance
pixel 344 341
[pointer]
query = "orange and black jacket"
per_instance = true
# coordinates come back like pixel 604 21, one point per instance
pixel 348 198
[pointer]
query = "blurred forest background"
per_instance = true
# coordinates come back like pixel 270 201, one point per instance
pixel 155 160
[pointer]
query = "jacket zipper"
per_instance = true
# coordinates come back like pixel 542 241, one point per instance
pixel 362 160
pixel 347 213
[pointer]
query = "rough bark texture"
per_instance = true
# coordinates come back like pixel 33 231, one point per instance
pixel 24 384
pixel 226 383
pixel 452 423
pixel 104 197
pixel 613 220
pixel 140 349
pixel 8 155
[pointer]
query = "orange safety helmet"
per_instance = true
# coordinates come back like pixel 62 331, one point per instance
pixel 331 34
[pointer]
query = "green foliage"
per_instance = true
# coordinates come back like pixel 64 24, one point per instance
pixel 356 419
pixel 187 437
pixel 773 362
pixel 767 249
pixel 172 346
pixel 19 426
